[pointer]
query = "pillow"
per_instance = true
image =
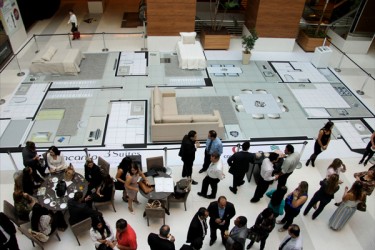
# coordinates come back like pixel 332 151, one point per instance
pixel 176 118
pixel 205 118
pixel 188 37
pixel 49 53
pixel 157 114
pixel 157 96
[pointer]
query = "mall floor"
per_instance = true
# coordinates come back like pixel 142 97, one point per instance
pixel 357 234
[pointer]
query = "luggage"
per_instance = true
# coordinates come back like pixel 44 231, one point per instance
pixel 76 35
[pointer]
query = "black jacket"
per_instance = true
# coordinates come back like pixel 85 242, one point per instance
pixel 7 225
pixel 195 229
pixel 79 211
pixel 157 243
pixel 229 213
pixel 239 162
pixel 93 176
pixel 187 149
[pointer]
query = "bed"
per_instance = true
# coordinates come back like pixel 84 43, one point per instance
pixel 57 61
pixel 190 52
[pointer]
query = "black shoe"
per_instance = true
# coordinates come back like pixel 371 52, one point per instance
pixel 212 242
pixel 202 170
pixel 337 204
pixel 364 164
pixel 312 163
pixel 193 182
pixel 253 200
pixel 307 163
pixel 124 199
pixel 203 195
pixel 211 196
pixel 233 190
pixel 241 183
pixel 249 246
pixel 360 162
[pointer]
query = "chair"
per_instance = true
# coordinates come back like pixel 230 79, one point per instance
pixel 157 161
pixel 284 108
pixel 258 116
pixel 239 108
pixel 261 91
pixel 24 229
pixel 82 226
pixel 103 165
pixel 274 116
pixel 158 212
pixel 110 202
pixel 10 212
pixel 236 98
pixel 246 91
pixel 279 99
pixel 183 199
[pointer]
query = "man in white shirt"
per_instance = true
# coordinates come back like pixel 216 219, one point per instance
pixel 213 177
pixel 266 178
pixel 293 241
pixel 290 163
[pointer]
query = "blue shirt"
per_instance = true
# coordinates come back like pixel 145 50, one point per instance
pixel 215 147
pixel 221 212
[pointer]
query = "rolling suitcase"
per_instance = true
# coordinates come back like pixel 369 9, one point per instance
pixel 76 35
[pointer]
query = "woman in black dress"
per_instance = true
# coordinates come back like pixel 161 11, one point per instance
pixel 369 151
pixel 321 142
pixel 104 191
pixel 122 170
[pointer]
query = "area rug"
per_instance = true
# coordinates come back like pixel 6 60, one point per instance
pixel 172 69
pixel 206 105
pixel 92 67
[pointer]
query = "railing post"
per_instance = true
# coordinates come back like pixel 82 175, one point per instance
pixel 339 66
pixel 36 43
pixel 70 41
pixel 105 47
pixel 19 67
pixel 238 147
pixel 144 37
pixel 165 156
pixel 360 91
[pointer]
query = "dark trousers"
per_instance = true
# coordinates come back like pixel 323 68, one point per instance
pixel 207 160
pixel 323 201
pixel 208 181
pixel 289 216
pixel 213 227
pixel 261 188
pixel 262 242
pixel 11 244
pixel 238 179
pixel 187 168
pixel 281 181
pixel 368 153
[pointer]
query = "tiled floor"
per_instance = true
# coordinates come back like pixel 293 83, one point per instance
pixel 357 234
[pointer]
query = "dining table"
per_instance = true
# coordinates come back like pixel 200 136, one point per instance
pixel 46 193
pixel 153 195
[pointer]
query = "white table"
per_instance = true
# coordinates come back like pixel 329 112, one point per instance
pixel 260 104
pixel 225 70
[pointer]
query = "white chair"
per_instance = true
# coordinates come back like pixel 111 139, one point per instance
pixel 273 116
pixel 258 116
pixel 279 99
pixel 239 108
pixel 246 91
pixel 236 98
pixel 284 108
pixel 261 91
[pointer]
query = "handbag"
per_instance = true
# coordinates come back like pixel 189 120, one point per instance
pixel 361 207
pixel 253 234
pixel 39 236
pixel 145 189
pixel 154 204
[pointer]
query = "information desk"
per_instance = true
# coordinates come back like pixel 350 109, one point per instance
pixel 50 200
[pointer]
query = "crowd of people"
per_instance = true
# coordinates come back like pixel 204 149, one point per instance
pixel 274 167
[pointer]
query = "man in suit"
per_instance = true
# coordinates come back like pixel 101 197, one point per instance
pixel 198 225
pixel 163 241
pixel 238 233
pixel 213 144
pixel 220 212
pixel 239 165
pixel 8 238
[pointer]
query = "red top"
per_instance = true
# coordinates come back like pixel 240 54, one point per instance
pixel 127 238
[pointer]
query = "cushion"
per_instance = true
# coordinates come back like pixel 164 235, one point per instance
pixel 205 118
pixel 157 113
pixel 188 37
pixel 157 96
pixel 176 118
pixel 49 53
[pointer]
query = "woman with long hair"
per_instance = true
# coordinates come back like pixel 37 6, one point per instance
pixel 348 206
pixel 293 205
pixel 277 202
pixel 29 183
pixel 23 203
pixel 101 233
pixel 55 160
pixel 264 225
pixel 369 150
pixel 41 220
pixel 131 185
pixel 336 167
pixel 321 143
pixel 328 187
pixel 104 191
pixel 367 178
pixel 122 170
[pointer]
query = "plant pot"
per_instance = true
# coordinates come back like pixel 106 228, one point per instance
pixel 246 57
pixel 309 43
pixel 215 39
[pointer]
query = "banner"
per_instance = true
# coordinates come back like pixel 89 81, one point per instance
pixel 11 16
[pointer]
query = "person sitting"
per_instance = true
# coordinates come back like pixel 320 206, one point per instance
pixel 45 221
pixel 122 170
pixel 23 204
pixel 55 160
pixel 104 191
pixel 101 233
pixel 79 209
pixel 92 175
pixel 29 183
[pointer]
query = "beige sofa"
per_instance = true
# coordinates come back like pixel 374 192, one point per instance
pixel 168 125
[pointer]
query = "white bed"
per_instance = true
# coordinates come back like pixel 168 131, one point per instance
pixel 190 55
pixel 57 61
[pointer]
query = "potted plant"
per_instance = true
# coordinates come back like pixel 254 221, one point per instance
pixel 215 36
pixel 248 43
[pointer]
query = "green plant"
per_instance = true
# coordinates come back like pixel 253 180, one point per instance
pixel 248 41
pixel 215 6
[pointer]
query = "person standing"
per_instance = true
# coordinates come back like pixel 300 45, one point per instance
pixel 289 164
pixel 266 177
pixel 188 147
pixel 8 240
pixel 328 187
pixel 213 144
pixel 294 240
pixel 238 233
pixel 213 177
pixel 73 21
pixel 348 206
pixel 220 212
pixel 163 241
pixel 277 202
pixel 321 143
pixel 198 226
pixel 31 159
pixel 196 244
pixel 131 185
pixel 369 150
pixel 293 205
pixel 125 236
pixel 264 224
pixel 239 165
